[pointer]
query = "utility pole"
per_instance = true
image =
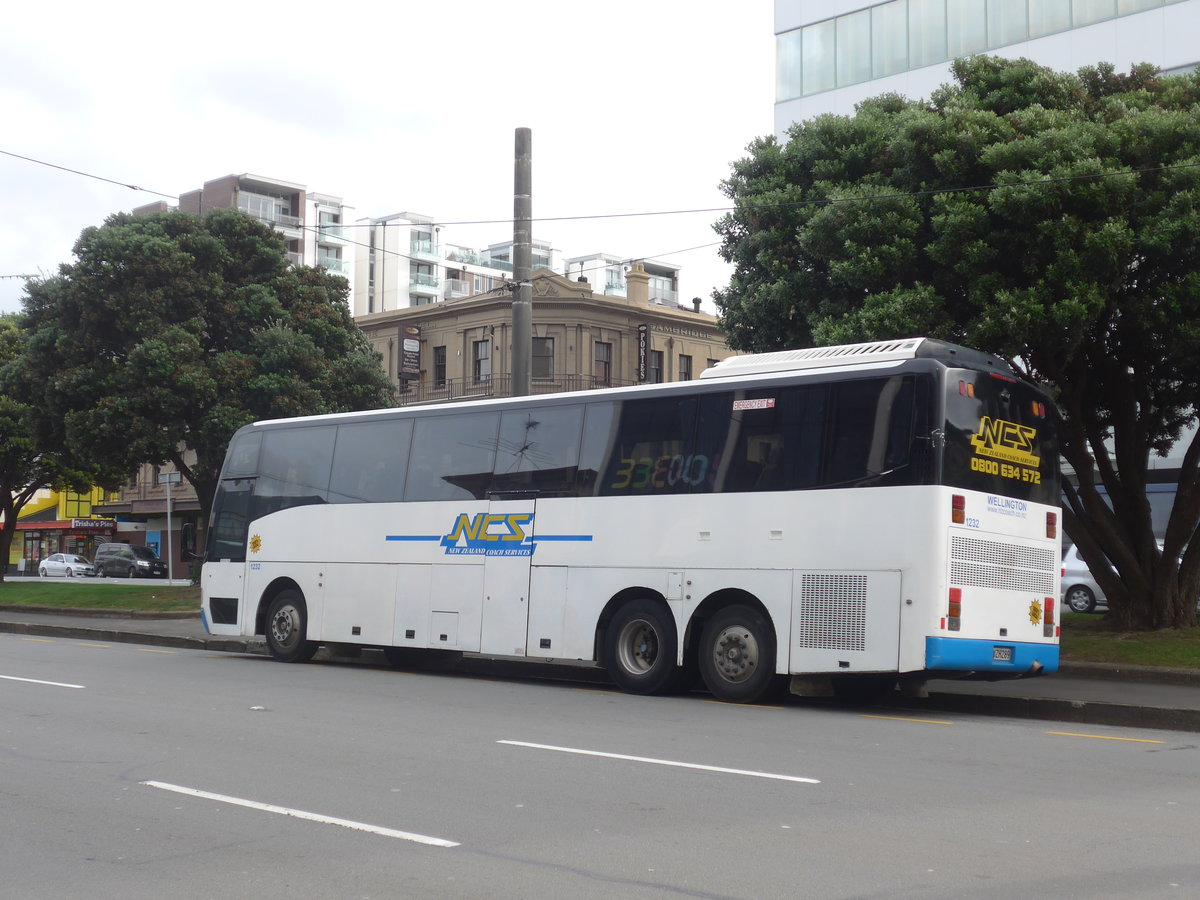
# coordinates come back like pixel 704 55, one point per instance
pixel 522 307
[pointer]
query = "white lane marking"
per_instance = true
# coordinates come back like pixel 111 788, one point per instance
pixel 663 762
pixel 301 814
pixel 39 681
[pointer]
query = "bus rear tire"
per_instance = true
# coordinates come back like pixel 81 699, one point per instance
pixel 287 625
pixel 640 648
pixel 737 655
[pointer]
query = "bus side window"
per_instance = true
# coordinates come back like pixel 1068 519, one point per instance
pixel 538 450
pixel 452 457
pixel 599 436
pixel 654 450
pixel 294 467
pixel 370 461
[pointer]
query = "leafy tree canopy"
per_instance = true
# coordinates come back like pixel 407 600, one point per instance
pixel 25 468
pixel 170 332
pixel 1050 218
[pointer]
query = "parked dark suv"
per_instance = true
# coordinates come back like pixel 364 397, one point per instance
pixel 128 561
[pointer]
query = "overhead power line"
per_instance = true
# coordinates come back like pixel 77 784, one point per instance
pixel 41 162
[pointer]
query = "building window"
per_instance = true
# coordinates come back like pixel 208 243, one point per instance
pixel 685 367
pixel 818 54
pixel 482 361
pixel 889 39
pixel 853 38
pixel 543 358
pixel 439 366
pixel 654 373
pixel 602 367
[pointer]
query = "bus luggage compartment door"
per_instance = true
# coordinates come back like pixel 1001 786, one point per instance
pixel 845 621
pixel 508 538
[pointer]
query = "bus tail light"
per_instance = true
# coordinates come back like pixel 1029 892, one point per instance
pixel 1048 627
pixel 1051 525
pixel 958 509
pixel 954 610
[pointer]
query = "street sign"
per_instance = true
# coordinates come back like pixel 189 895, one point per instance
pixel 169 478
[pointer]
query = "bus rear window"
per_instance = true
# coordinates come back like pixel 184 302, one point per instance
pixel 999 438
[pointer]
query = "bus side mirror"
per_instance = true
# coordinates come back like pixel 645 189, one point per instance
pixel 187 540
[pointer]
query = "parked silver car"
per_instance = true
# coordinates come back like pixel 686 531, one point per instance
pixel 67 564
pixel 1079 589
pixel 1080 592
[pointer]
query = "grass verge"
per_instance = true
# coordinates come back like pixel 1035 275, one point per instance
pixel 1088 638
pixel 88 593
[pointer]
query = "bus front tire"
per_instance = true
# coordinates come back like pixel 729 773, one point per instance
pixel 737 655
pixel 640 648
pixel 287 624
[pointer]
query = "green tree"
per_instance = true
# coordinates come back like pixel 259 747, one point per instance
pixel 25 468
pixel 169 332
pixel 1050 218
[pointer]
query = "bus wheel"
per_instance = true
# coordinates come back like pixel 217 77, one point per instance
pixel 287 623
pixel 737 655
pixel 640 649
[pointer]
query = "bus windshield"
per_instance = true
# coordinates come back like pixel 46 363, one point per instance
pixel 999 437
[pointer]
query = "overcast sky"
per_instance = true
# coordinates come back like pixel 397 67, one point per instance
pixel 635 107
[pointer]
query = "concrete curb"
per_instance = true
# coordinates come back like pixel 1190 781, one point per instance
pixel 100 613
pixel 1083 712
pixel 121 636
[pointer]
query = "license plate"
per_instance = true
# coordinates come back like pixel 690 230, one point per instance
pixel 1002 654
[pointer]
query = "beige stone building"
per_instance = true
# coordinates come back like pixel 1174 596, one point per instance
pixel 583 339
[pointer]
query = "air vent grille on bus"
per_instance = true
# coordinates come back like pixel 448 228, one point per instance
pixel 833 612
pixel 978 563
pixel 815 357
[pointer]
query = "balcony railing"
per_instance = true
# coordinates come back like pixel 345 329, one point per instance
pixel 334 265
pixel 425 249
pixel 332 234
pixel 454 288
pixel 495 386
pixel 422 283
pixel 274 218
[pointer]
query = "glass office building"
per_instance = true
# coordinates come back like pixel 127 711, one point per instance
pixel 832 53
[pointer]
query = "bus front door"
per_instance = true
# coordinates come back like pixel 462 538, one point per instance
pixel 509 535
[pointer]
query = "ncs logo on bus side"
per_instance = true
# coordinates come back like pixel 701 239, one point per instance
pixel 488 534
pixel 1007 441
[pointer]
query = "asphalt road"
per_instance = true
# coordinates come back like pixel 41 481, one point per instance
pixel 145 772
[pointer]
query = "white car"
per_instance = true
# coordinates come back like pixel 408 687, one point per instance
pixel 65 564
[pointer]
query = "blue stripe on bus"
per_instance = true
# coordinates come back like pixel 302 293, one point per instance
pixel 413 537
pixel 967 654
pixel 561 537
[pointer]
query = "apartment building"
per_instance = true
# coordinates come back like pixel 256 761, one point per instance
pixel 313 224
pixel 607 272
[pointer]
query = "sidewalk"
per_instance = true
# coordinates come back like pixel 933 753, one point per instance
pixel 1089 694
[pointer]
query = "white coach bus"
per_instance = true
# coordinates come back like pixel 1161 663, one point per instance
pixel 850 516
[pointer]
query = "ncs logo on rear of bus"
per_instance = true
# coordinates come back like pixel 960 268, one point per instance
pixel 1006 441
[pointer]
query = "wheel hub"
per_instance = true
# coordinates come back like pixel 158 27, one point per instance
pixel 736 654
pixel 283 626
